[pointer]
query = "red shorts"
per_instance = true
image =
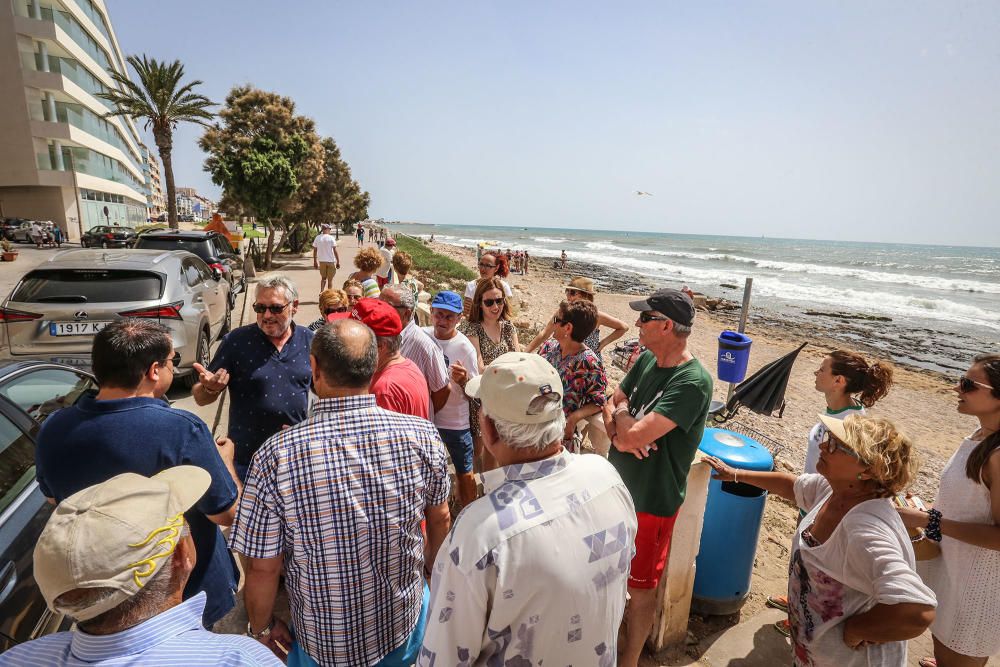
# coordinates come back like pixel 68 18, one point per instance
pixel 652 546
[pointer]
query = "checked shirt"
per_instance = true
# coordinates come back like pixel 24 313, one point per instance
pixel 341 497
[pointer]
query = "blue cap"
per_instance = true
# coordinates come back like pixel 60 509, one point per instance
pixel 447 301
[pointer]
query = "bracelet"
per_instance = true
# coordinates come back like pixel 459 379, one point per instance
pixel 736 479
pixel 933 529
pixel 617 411
pixel 263 633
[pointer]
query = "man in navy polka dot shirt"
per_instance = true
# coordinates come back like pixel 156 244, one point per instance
pixel 265 366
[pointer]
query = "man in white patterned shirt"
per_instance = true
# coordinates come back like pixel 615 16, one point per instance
pixel 336 502
pixel 535 572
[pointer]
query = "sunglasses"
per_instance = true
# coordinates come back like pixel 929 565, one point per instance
pixel 489 303
pixel 274 310
pixel 645 317
pixel 967 384
pixel 174 361
pixel 831 445
pixel 558 320
pixel 570 291
pixel 328 311
pixel 487 266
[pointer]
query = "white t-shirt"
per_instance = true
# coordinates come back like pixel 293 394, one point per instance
pixel 470 288
pixel 455 413
pixel 324 244
pixel 818 435
pixel 868 560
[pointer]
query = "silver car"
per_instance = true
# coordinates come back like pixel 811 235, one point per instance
pixel 56 308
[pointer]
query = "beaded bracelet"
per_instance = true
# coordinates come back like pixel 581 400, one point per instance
pixel 933 529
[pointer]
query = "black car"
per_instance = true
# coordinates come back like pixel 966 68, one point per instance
pixel 213 247
pixel 108 236
pixel 30 391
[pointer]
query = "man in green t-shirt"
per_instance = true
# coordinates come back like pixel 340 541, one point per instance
pixel 655 420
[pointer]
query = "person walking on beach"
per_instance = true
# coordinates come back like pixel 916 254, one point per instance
pixel 577 289
pixel 655 420
pixel 534 574
pixel 336 505
pixel 855 596
pixel 562 257
pixel 966 521
pixel 325 257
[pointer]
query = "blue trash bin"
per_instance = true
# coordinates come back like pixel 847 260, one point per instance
pixel 733 514
pixel 734 354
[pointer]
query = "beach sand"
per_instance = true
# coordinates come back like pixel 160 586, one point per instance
pixel 921 402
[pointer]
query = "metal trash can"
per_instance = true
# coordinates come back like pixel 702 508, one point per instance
pixel 732 524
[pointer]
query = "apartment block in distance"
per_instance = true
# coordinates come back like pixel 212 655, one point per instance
pixel 62 161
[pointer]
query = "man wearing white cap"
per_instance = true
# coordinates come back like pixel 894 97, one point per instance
pixel 115 557
pixel 534 572
pixel 325 256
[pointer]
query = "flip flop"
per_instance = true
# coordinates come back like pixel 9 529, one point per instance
pixel 785 628
pixel 927 662
pixel 778 602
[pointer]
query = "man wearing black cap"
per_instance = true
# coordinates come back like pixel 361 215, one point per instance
pixel 656 419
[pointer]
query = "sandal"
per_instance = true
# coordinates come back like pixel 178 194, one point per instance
pixel 927 662
pixel 784 627
pixel 778 602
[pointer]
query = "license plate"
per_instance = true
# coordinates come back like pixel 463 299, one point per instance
pixel 76 328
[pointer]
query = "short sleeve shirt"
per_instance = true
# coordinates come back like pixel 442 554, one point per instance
pixel 470 288
pixel 682 394
pixel 268 389
pixel 455 413
pixel 93 441
pixel 402 388
pixel 324 244
pixel 582 374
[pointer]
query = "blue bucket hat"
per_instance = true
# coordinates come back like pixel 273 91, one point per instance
pixel 447 301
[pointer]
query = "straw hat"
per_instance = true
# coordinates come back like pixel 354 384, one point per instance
pixel 581 284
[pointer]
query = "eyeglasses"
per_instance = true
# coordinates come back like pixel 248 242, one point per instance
pixel 487 266
pixel 645 317
pixel 489 303
pixel 573 292
pixel 329 311
pixel 967 384
pixel 830 445
pixel 274 309
pixel 174 361
pixel 558 320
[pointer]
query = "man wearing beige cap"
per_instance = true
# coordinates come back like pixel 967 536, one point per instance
pixel 115 557
pixel 534 572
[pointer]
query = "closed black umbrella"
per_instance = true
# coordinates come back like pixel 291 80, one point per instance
pixel 764 391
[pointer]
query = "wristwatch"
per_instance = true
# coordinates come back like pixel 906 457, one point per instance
pixel 263 634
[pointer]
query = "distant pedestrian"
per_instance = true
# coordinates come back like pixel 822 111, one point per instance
pixel 325 257
pixel 562 257
pixel 265 365
pixel 57 235
pixel 526 260
pixel 35 232
pixel 361 235
pixel 535 573
pixel 116 558
pixel 655 420
pixel 336 504
pixel 127 427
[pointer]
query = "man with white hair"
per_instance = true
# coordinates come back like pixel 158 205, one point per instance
pixel 115 558
pixel 534 572
pixel 325 256
pixel 418 346
pixel 266 367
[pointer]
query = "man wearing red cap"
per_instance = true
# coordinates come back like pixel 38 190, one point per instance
pixel 398 384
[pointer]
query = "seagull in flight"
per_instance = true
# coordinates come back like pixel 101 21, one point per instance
pixel 640 193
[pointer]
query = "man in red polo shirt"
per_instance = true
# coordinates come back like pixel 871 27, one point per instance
pixel 398 384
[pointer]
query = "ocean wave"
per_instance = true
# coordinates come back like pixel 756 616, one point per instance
pixel 545 239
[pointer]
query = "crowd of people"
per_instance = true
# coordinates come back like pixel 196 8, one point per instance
pixel 334 477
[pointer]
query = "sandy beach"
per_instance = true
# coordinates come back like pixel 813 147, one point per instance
pixel 921 401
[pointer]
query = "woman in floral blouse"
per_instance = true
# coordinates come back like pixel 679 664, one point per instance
pixel 583 378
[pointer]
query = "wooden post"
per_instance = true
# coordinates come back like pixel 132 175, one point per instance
pixel 673 598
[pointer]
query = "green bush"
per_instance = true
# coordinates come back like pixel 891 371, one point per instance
pixel 436 271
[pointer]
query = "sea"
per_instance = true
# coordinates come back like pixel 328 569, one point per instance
pixel 930 306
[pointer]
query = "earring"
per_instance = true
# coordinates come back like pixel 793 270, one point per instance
pixel 860 477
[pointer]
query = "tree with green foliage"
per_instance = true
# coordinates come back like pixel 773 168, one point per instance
pixel 265 157
pixel 337 198
pixel 161 101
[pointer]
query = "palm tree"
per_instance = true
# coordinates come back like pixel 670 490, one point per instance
pixel 161 100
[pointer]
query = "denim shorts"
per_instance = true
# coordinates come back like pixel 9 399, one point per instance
pixel 459 444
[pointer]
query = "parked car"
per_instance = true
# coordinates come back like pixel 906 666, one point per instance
pixel 108 236
pixel 56 308
pixel 21 233
pixel 8 225
pixel 29 392
pixel 212 247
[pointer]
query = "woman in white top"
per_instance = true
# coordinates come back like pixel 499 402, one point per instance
pixel 966 520
pixel 490 266
pixel 855 596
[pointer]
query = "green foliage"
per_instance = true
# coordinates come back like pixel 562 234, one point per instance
pixel 436 271
pixel 337 198
pixel 264 174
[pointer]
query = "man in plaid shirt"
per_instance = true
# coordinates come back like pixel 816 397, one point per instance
pixel 337 502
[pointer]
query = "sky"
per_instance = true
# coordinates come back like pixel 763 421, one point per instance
pixel 840 120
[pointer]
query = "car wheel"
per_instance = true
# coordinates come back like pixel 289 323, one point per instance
pixel 84 244
pixel 104 244
pixel 227 323
pixel 201 355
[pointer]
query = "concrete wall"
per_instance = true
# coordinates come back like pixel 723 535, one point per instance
pixel 42 203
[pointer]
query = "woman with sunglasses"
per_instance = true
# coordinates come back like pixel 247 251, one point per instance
pixel 490 266
pixel 583 289
pixel 354 290
pixel 966 521
pixel 855 596
pixel 330 301
pixel 367 260
pixel 492 334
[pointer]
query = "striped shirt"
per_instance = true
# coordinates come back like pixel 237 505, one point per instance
pixel 419 347
pixel 174 637
pixel 341 497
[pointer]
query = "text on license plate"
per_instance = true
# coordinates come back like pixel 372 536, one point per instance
pixel 75 328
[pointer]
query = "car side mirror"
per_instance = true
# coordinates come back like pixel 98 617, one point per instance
pixel 217 275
